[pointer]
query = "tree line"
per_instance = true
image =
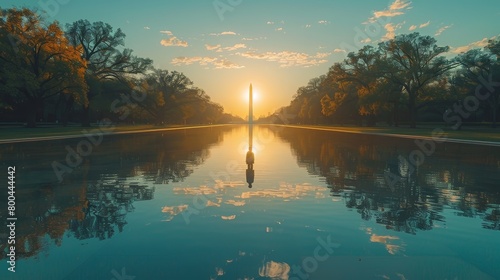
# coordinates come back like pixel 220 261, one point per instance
pixel 404 80
pixel 83 73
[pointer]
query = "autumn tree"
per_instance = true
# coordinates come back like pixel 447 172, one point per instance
pixel 413 61
pixel 339 96
pixel 361 69
pixel 170 97
pixel 100 49
pixel 306 104
pixel 38 63
pixel 214 113
pixel 193 104
pixel 165 92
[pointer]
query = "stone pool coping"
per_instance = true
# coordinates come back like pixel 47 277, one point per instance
pixel 406 136
pixel 333 129
pixel 82 135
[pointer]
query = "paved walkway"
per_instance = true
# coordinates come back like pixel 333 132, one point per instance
pixel 81 135
pixel 449 140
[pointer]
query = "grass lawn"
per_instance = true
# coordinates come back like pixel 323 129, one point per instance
pixel 466 133
pixel 23 132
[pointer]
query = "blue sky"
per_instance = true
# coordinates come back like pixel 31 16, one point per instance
pixel 224 45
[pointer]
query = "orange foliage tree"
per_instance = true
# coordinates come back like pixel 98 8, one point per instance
pixel 38 63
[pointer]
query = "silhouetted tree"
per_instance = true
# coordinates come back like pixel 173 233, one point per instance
pixel 479 75
pixel 100 49
pixel 413 61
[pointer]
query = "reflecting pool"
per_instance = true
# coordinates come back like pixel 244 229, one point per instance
pixel 322 205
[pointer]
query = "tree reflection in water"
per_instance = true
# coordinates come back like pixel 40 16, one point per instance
pixel 106 208
pixel 93 201
pixel 356 167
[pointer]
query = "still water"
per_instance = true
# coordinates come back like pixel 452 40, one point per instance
pixel 323 205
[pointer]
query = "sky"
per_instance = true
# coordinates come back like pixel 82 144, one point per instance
pixel 279 45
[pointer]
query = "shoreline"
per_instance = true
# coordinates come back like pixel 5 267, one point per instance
pixel 398 135
pixel 353 130
pixel 106 132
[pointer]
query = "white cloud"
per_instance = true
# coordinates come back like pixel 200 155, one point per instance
pixel 395 9
pixel 479 44
pixel 322 55
pixel 169 33
pixel 339 51
pixel 147 27
pixel 442 29
pixel 218 63
pixel 253 39
pixel 173 42
pixel 270 22
pixel 308 26
pixel 323 22
pixel 391 30
pixel 182 60
pixel 279 29
pixel 425 24
pixel 399 5
pixel 288 58
pixel 236 47
pixel 223 33
pixel 414 27
pixel 387 13
pixel 212 48
pixel 365 41
pixel 218 48
pixel 226 64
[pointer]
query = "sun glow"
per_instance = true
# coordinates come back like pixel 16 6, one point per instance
pixel 260 100
pixel 243 148
pixel 255 93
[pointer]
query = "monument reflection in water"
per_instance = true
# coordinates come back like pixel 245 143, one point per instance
pixel 250 157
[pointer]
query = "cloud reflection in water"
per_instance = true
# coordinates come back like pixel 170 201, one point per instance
pixel 275 270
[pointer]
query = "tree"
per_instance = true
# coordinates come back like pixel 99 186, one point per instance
pixel 38 63
pixel 164 95
pixel 361 69
pixel 480 70
pixel 340 97
pixel 494 47
pixel 413 61
pixel 307 102
pixel 100 49
pixel 170 97
pixel 494 78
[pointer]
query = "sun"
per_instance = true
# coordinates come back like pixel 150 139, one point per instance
pixel 255 93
